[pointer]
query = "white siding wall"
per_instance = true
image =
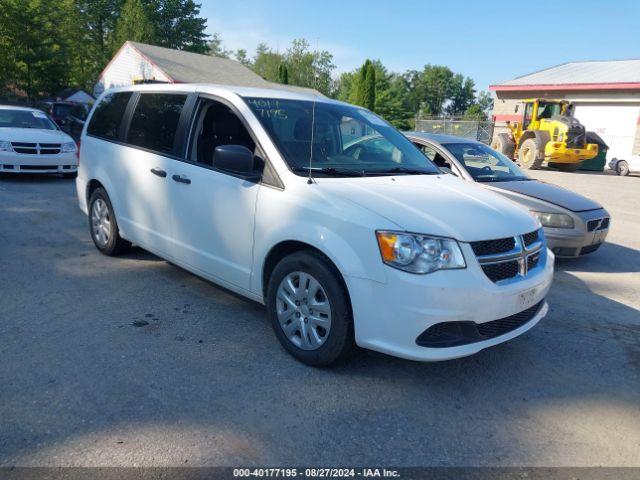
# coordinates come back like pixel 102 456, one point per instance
pixel 126 67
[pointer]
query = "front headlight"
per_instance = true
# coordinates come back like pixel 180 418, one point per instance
pixel 419 253
pixel 554 220
pixel 69 147
pixel 5 146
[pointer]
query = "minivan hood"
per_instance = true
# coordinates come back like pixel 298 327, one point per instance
pixel 548 192
pixel 441 205
pixel 33 135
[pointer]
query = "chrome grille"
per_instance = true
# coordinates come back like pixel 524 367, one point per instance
pixel 500 264
pixel 26 148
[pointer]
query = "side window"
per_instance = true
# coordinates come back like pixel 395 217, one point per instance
pixel 155 121
pixel 427 150
pixel 106 120
pixel 216 125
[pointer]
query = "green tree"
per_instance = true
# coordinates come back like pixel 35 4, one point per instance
pixel 267 62
pixel 485 100
pixel 283 74
pixel 34 35
pixel 216 48
pixel 241 56
pixel 360 82
pixel 134 23
pixel 369 89
pixel 461 95
pixel 178 25
pixel 474 112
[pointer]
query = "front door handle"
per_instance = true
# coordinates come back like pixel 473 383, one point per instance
pixel 159 172
pixel 181 179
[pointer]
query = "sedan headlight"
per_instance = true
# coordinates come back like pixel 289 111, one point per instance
pixel 5 146
pixel 69 147
pixel 554 220
pixel 419 253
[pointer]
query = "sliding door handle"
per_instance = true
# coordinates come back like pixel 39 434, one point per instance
pixel 159 172
pixel 181 179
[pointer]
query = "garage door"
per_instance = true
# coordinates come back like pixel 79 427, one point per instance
pixel 616 124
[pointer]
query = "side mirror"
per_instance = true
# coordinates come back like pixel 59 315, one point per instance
pixel 235 159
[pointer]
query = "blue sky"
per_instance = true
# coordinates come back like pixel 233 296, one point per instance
pixel 483 39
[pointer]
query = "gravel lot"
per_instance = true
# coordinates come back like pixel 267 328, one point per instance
pixel 133 361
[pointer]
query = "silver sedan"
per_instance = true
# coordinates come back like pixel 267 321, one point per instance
pixel 573 225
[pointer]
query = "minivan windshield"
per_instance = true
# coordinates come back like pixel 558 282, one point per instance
pixel 25 119
pixel 485 164
pixel 346 140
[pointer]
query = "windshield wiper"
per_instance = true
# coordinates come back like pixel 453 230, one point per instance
pixel 404 170
pixel 332 171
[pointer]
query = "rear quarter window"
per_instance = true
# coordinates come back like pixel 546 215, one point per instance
pixel 106 120
pixel 155 121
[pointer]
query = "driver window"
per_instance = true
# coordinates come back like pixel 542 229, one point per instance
pixel 216 125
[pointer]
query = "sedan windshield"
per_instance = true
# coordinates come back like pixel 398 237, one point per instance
pixel 25 119
pixel 485 164
pixel 346 140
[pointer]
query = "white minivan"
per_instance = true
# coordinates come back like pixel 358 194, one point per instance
pixel 270 194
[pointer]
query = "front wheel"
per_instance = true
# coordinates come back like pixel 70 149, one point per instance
pixel 529 155
pixel 622 168
pixel 309 309
pixel 103 225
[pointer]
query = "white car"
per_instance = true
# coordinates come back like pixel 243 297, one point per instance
pixel 625 167
pixel 30 142
pixel 258 191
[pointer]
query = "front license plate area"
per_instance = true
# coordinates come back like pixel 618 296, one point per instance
pixel 527 298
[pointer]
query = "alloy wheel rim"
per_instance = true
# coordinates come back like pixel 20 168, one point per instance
pixel 303 310
pixel 100 222
pixel 527 157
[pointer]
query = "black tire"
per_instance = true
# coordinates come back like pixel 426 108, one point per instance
pixel 115 244
pixel 529 155
pixel 339 343
pixel 503 144
pixel 622 168
pixel 70 175
pixel 566 167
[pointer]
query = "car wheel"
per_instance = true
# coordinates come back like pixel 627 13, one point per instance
pixel 622 168
pixel 103 225
pixel 309 309
pixel 529 155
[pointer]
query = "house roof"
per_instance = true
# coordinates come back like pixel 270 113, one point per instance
pixel 189 67
pixel 596 75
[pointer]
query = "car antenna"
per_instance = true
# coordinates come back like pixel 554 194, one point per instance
pixel 313 128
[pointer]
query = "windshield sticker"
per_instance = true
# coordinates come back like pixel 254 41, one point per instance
pixel 39 115
pixel 267 108
pixel 373 119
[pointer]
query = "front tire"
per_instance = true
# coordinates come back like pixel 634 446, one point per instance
pixel 622 168
pixel 503 144
pixel 309 309
pixel 529 155
pixel 103 225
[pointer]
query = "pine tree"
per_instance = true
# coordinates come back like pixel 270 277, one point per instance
pixel 360 83
pixel 134 23
pixel 283 74
pixel 369 88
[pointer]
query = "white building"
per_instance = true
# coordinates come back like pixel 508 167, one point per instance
pixel 141 63
pixel 606 95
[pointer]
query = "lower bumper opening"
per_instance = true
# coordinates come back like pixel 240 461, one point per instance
pixel 455 334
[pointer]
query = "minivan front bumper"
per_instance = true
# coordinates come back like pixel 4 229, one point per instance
pixel 391 317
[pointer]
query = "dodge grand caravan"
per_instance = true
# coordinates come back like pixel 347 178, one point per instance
pixel 269 194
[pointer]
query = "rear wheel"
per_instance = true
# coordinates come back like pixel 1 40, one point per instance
pixel 529 155
pixel 503 144
pixel 309 309
pixel 622 168
pixel 103 225
pixel 566 167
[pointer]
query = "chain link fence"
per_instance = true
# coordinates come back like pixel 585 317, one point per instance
pixel 480 130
